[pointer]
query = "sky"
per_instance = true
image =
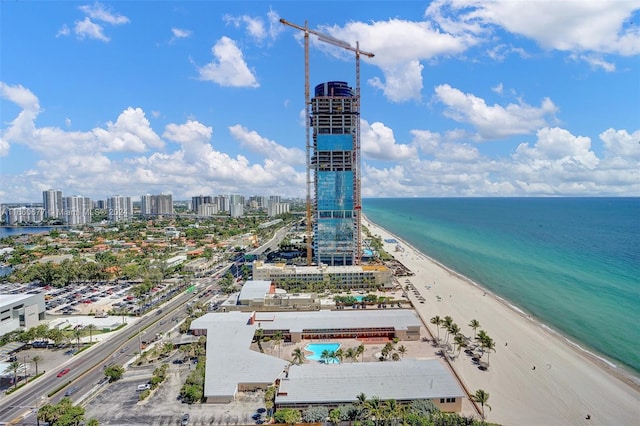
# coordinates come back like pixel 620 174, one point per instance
pixel 463 98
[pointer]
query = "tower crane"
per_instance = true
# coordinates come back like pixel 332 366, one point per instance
pixel 357 196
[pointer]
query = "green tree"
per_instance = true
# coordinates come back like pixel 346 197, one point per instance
pixel 36 359
pixel 62 414
pixel 277 339
pixel 437 321
pixel 114 372
pixel 297 356
pixel 259 337
pixel 474 324
pixel 91 328
pixel 481 397
pixel 13 367
pixel 402 350
pixel 335 416
pixel 360 350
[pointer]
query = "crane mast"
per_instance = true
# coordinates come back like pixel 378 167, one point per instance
pixel 356 153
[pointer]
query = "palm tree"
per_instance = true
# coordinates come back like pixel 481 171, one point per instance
pixel 36 359
pixel 91 327
pixel 402 350
pixel 446 323
pixel 481 397
pixel 339 354
pixel 259 336
pixel 351 354
pixel 452 330
pixel 481 338
pixel 277 339
pixel 374 407
pixel 459 340
pixel 474 324
pixel 361 404
pixel 489 345
pixel 77 333
pixel 298 356
pixel 360 351
pixel 14 366
pixel 437 321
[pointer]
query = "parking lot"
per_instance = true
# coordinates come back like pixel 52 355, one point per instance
pixel 117 403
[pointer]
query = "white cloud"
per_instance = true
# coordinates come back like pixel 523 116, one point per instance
pixel 493 122
pixel 63 31
pixel 399 46
pixel 131 132
pixel 4 147
pixel 178 33
pixel 571 25
pixel 255 27
pixel 98 11
pixel 268 148
pixel 88 29
pixel 595 61
pixel 377 142
pixel 228 67
pixel 20 96
pixel 622 144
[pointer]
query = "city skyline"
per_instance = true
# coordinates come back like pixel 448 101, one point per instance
pixel 464 98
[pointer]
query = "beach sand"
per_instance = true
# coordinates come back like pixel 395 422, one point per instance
pixel 567 384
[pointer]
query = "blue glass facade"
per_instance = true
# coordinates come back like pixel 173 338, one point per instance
pixel 333 120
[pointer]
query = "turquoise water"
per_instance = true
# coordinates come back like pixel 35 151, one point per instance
pixel 573 263
pixel 359 298
pixel 318 348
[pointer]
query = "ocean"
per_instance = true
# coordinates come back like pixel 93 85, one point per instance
pixel 572 263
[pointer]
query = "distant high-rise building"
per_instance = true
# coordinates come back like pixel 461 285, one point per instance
pixel 207 209
pixel 23 215
pixel 76 210
pixel 156 205
pixel 119 208
pixel 334 119
pixel 196 202
pixel 52 203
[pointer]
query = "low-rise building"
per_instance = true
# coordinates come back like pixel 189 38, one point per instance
pixel 239 368
pixel 20 311
pixel 346 277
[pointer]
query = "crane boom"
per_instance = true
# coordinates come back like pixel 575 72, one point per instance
pixel 356 155
pixel 328 39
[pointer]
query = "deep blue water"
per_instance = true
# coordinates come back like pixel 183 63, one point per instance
pixel 7 231
pixel 573 263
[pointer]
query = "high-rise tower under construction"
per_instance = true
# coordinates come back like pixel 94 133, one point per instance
pixel 334 163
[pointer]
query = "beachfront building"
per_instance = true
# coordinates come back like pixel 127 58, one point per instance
pixel 20 311
pixel 339 277
pixel 334 163
pixel 239 368
pixel 258 295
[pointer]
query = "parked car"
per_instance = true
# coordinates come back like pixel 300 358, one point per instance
pixel 144 387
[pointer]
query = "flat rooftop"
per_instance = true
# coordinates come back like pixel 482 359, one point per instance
pixel 403 380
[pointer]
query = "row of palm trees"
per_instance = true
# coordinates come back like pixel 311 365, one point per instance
pixel 484 340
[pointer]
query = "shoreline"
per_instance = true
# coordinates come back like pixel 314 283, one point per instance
pixel 540 344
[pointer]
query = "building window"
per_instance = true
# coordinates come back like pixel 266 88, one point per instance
pixel 441 400
pixel 451 400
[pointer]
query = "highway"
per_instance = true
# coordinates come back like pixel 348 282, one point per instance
pixel 86 368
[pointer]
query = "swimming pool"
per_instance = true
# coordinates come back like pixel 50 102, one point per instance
pixel 318 348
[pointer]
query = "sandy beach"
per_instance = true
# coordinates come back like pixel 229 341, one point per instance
pixel 535 377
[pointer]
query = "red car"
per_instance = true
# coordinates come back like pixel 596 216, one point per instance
pixel 63 372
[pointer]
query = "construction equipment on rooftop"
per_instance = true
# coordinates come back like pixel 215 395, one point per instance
pixel 356 152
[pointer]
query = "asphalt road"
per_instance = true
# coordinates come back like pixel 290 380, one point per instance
pixel 86 368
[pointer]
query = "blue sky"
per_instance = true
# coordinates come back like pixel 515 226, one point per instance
pixel 462 98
